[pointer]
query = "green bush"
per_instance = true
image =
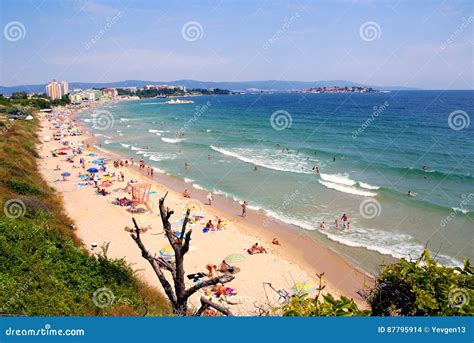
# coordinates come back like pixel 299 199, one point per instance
pixel 22 187
pixel 422 288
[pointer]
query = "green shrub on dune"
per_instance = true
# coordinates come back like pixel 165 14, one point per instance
pixel 44 269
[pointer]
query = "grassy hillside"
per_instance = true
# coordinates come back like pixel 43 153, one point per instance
pixel 44 269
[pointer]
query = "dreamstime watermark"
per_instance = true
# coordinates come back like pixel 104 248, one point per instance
pixel 103 31
pixel 195 207
pixel 370 31
pixel 46 331
pixel 458 120
pixel 192 31
pixel 200 110
pixel 14 31
pixel 378 110
pixel 12 299
pixel 464 25
pixel 14 208
pixel 6 128
pixel 370 208
pixel 466 198
pixel 103 297
pixel 458 297
pixel 281 31
pixel 102 120
pixel 281 120
pixel 283 208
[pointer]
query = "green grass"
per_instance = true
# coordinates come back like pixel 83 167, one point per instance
pixel 44 268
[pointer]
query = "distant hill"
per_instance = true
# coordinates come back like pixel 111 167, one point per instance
pixel 269 85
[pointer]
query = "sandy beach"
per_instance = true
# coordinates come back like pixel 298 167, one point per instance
pixel 97 220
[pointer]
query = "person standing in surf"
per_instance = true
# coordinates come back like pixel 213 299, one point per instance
pixel 244 209
pixel 209 198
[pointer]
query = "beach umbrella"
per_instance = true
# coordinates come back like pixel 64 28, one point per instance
pixel 93 170
pixel 91 154
pixel 234 258
pixel 97 162
pixel 64 149
pixel 303 287
pixel 105 178
pixel 84 177
pixel 103 159
pixel 66 174
pixel 167 251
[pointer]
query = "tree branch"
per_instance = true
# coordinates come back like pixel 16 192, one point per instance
pixel 211 282
pixel 159 273
pixel 206 303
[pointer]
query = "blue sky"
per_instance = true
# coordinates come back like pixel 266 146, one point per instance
pixel 426 44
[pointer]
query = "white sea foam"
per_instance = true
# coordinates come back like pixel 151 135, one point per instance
pixel 153 131
pixel 195 185
pixel 125 145
pixel 347 189
pixel 283 162
pixel 187 180
pixel 367 186
pixel 338 178
pixel 462 210
pixel 171 140
pixel 107 142
pixel 135 148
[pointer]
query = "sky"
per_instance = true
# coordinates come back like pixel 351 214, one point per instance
pixel 422 44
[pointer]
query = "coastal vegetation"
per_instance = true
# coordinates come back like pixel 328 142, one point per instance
pixel 407 288
pixel 38 101
pixel 44 268
pixel 165 92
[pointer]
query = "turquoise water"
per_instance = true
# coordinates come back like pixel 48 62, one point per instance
pixel 380 143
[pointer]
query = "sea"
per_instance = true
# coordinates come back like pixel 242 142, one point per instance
pixel 370 149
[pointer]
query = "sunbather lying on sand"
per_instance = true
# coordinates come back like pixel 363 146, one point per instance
pixel 225 267
pixel 186 194
pixel 220 289
pixel 142 229
pixel 255 249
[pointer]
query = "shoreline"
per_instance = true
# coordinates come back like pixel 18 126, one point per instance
pixel 299 257
pixel 309 253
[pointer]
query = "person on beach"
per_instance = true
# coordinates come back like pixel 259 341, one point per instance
pixel 334 158
pixel 210 225
pixel 186 165
pixel 225 267
pixel 209 198
pixel 96 181
pixel 212 269
pixel 186 194
pixel 256 249
pixel 254 168
pixel 336 223
pixel 57 167
pixel 209 157
pixel 275 241
pixel 322 225
pixel 131 161
pixel 244 209
pixel 152 170
pixel 122 176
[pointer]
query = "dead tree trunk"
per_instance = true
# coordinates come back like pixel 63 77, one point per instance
pixel 177 294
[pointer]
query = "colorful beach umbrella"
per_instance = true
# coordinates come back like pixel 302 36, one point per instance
pixel 97 162
pixel 167 251
pixel 93 170
pixel 103 159
pixel 84 177
pixel 303 288
pixel 91 154
pixel 66 174
pixel 234 258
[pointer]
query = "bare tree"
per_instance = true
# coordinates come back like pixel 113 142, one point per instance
pixel 178 294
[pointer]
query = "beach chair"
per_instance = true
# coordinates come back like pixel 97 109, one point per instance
pixel 141 196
